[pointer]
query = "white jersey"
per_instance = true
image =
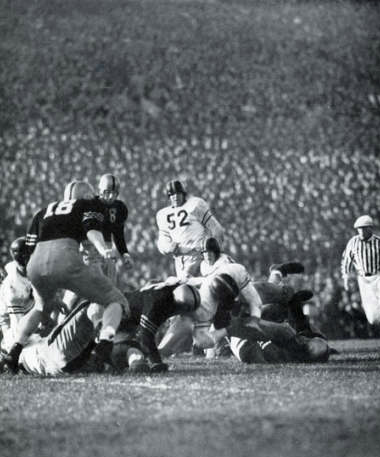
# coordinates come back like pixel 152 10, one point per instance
pixel 16 299
pixel 207 269
pixel 40 359
pixel 186 227
pixel 247 291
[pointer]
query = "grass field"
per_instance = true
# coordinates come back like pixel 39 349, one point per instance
pixel 201 408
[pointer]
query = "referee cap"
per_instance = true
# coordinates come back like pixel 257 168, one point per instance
pixel 363 221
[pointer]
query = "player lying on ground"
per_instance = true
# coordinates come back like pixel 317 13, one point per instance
pixel 69 347
pixel 283 334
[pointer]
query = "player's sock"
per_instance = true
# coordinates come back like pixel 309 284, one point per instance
pixel 13 357
pixel 145 336
pixel 110 321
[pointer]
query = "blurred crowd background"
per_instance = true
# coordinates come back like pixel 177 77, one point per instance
pixel 270 111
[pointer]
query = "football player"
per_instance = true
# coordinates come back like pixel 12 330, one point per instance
pixel 261 341
pixel 55 263
pixel 116 215
pixel 214 262
pixel 69 347
pixel 16 295
pixel 283 333
pixel 151 306
pixel 182 228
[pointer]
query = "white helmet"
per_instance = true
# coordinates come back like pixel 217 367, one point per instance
pixel 78 189
pixel 108 187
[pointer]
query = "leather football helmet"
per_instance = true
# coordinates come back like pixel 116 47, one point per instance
pixel 224 288
pixel 109 187
pixel 211 244
pixel 18 250
pixel 78 189
pixel 175 187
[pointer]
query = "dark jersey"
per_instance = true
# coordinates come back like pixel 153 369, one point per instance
pixel 65 219
pixel 157 304
pixel 116 215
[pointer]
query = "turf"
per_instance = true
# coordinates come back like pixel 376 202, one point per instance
pixel 201 408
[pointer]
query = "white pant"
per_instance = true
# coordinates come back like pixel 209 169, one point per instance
pixel 369 287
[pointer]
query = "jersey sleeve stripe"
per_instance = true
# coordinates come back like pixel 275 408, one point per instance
pixel 206 216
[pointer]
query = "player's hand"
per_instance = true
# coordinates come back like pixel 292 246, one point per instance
pixel 127 261
pixel 172 281
pixel 346 284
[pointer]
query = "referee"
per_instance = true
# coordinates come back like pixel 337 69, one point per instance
pixel 362 254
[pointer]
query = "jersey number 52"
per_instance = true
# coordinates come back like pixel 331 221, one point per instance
pixel 179 219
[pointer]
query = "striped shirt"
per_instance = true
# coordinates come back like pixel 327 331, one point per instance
pixel 364 256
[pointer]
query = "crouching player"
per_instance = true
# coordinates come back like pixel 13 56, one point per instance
pixel 151 306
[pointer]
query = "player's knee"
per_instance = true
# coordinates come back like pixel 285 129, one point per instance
pixel 95 313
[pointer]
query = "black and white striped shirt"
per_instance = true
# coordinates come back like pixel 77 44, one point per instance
pixel 363 255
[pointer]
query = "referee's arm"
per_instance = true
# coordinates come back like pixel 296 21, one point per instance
pixel 346 264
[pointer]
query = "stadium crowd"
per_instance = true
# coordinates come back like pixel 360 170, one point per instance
pixel 284 157
pixel 274 206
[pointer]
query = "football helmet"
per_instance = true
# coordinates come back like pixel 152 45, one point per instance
pixel 78 189
pixel 175 187
pixel 224 288
pixel 18 251
pixel 109 187
pixel 187 297
pixel 211 244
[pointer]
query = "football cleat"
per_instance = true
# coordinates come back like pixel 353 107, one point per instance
pixel 8 364
pixel 109 187
pixel 147 345
pixel 160 367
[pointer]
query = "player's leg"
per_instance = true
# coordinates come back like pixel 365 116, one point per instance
pixel 71 342
pixel 97 288
pixel 247 351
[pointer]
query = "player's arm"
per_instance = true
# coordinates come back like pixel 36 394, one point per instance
pixel 210 222
pixel 32 234
pixel 165 243
pixel 121 245
pixel 4 314
pixel 346 263
pixel 249 293
pixel 92 222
